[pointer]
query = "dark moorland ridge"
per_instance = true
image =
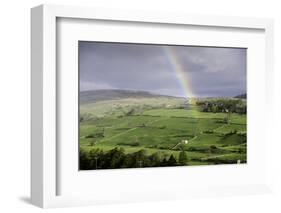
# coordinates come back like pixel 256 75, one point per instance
pixel 115 94
pixel 93 96
pixel 242 96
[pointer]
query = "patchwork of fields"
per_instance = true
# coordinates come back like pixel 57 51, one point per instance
pixel 159 125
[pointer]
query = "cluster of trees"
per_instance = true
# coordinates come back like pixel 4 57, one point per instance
pixel 117 158
pixel 223 105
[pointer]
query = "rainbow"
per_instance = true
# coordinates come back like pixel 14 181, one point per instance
pixel 180 70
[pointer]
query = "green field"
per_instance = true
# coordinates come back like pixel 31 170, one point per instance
pixel 159 127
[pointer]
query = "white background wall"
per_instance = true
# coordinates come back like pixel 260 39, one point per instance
pixel 15 98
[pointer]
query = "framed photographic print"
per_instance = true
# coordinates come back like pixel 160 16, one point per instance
pixel 148 105
pixel 144 105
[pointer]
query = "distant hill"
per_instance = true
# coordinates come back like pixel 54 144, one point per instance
pixel 242 96
pixel 112 94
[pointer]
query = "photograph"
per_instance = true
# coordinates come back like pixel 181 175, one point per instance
pixel 160 105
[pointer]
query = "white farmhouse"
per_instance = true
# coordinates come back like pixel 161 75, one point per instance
pixel 184 141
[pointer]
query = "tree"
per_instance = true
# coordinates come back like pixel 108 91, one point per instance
pixel 155 159
pixel 172 161
pixel 94 157
pixel 164 162
pixel 182 158
pixel 142 159
pixel 117 156
pixel 129 161
pixel 214 108
pixel 84 160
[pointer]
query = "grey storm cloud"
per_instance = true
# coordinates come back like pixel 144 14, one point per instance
pixel 211 71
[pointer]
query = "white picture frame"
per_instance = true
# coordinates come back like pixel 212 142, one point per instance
pixel 44 149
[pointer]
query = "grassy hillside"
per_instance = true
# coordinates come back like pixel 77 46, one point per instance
pixel 168 126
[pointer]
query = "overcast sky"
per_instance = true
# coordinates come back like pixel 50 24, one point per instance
pixel 210 71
